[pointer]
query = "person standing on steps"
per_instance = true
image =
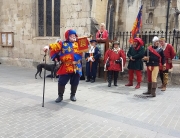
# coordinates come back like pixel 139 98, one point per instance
pixel 155 59
pixel 102 33
pixel 169 54
pixel 117 59
pixel 135 65
pixel 92 59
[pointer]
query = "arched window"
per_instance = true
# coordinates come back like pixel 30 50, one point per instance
pixel 150 18
pixel 48 17
pixel 152 3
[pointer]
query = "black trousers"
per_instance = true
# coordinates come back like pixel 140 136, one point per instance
pixel 110 76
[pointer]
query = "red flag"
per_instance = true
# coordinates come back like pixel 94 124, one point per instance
pixel 83 44
pixel 136 26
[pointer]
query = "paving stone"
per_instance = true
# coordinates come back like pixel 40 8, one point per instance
pixel 99 111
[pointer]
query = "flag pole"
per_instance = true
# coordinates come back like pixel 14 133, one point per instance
pixel 141 20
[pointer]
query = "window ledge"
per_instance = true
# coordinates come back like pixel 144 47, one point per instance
pixel 45 38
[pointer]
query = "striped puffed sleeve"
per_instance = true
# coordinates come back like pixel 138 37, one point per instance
pixel 55 49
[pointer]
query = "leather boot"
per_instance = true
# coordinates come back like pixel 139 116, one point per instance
pixel 73 92
pixel 138 85
pixel 153 91
pixel 149 88
pixel 93 80
pixel 161 77
pixel 115 78
pixel 165 81
pixel 109 78
pixel 60 93
pixel 160 87
pixel 130 83
pixel 88 79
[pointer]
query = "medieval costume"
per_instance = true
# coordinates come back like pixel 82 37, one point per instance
pixel 154 57
pixel 92 60
pixel 135 65
pixel 115 60
pixel 169 54
pixel 70 69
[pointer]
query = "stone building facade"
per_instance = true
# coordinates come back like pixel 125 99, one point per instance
pixel 37 23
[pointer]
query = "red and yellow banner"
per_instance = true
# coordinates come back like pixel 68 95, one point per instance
pixel 136 26
pixel 83 44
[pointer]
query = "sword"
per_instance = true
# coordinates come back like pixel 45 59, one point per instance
pixel 147 54
pixel 105 68
pixel 122 64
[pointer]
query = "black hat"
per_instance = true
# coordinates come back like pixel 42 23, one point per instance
pixel 92 41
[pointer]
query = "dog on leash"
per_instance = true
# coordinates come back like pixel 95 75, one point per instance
pixel 48 67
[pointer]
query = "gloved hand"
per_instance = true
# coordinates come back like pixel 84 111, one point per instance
pixel 89 59
pixel 92 59
pixel 118 61
pixel 46 48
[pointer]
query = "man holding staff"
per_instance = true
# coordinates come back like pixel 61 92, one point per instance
pixel 70 54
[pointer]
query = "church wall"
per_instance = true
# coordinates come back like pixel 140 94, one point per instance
pixel 100 10
pixel 21 18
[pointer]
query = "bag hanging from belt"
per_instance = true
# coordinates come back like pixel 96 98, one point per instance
pixel 107 63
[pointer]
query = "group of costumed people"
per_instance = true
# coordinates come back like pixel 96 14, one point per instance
pixel 157 58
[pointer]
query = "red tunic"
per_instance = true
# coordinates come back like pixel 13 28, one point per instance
pixel 113 56
pixel 169 53
pixel 104 34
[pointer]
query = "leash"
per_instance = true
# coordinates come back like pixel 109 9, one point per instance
pixel 44 59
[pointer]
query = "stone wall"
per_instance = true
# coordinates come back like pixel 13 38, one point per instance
pixel 127 14
pixel 20 17
pixel 128 10
pixel 99 10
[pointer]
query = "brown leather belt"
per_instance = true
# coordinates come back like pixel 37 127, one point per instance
pixel 72 62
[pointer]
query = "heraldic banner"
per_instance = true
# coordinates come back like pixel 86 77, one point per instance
pixel 83 44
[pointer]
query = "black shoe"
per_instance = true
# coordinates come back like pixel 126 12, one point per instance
pixel 88 80
pixel 115 84
pixel 92 81
pixel 82 78
pixel 147 93
pixel 109 84
pixel 73 98
pixel 59 99
pixel 151 95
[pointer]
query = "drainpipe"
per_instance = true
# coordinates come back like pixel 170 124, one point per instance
pixel 167 18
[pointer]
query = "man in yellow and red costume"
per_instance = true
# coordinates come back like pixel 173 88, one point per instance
pixel 69 53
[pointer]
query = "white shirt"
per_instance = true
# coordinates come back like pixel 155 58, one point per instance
pixel 91 49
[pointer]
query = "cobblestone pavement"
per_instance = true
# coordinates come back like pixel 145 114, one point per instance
pixel 100 112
